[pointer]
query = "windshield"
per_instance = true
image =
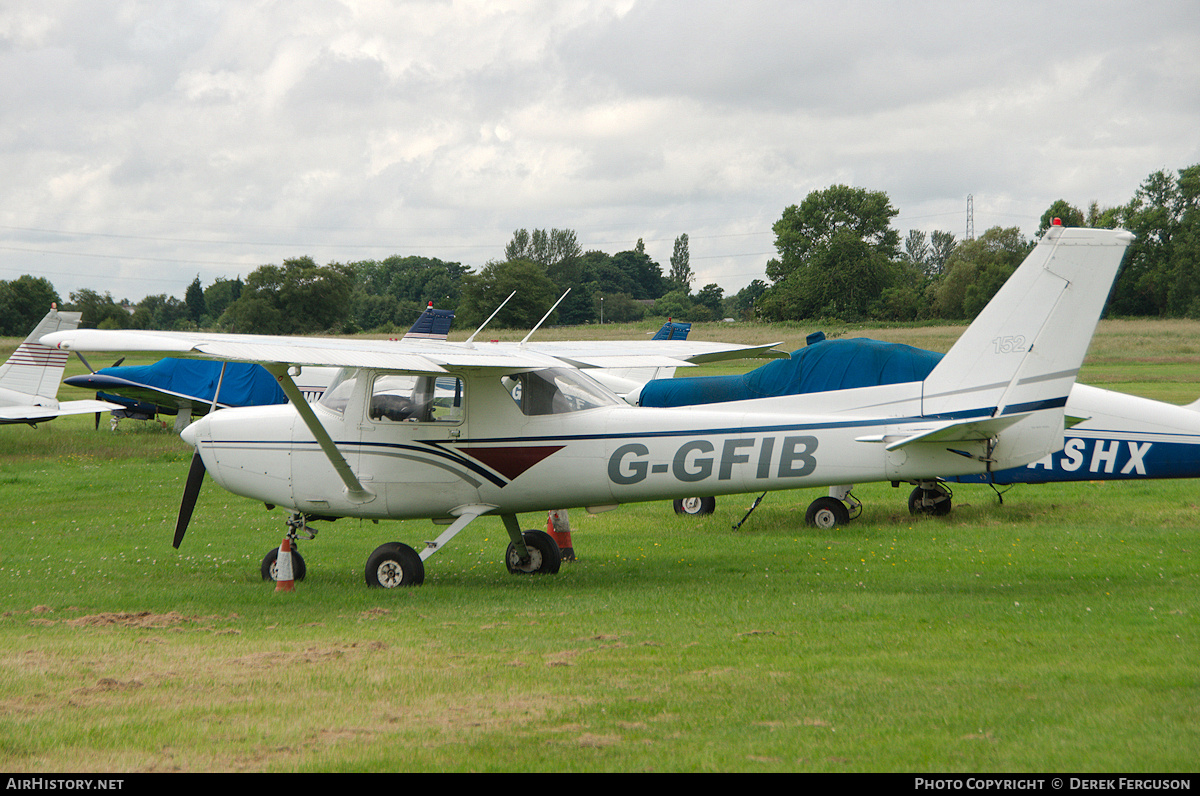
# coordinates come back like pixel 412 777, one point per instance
pixel 338 392
pixel 557 391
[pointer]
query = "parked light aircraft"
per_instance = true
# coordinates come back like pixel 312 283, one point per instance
pixel 29 378
pixel 525 429
pixel 1110 435
pixel 187 387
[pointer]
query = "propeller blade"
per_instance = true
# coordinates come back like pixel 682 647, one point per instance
pixel 190 490
pixel 86 364
pixel 97 421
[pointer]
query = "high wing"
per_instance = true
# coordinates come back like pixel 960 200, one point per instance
pixel 410 355
pixel 190 387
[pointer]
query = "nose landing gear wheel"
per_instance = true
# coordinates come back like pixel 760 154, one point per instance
pixel 393 565
pixel 270 565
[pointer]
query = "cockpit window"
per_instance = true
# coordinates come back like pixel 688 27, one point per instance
pixel 556 391
pixel 398 398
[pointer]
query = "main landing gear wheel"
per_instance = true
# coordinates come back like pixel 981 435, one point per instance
pixel 270 565
pixel 393 565
pixel 696 506
pixel 544 555
pixel 930 502
pixel 827 512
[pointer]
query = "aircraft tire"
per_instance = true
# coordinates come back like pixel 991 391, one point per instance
pixel 299 570
pixel 544 556
pixel 917 505
pixel 393 565
pixel 696 506
pixel 826 513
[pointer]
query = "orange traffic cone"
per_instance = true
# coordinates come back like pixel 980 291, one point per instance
pixel 559 528
pixel 283 567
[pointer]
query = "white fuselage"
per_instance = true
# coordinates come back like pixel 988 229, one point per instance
pixel 493 453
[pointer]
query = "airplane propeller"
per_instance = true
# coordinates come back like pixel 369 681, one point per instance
pixel 190 491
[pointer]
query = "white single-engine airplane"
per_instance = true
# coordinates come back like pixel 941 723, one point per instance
pixel 453 431
pixel 29 379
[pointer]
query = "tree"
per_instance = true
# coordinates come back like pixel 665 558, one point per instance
pixel 220 294
pixel 98 311
pixel 711 296
pixel 160 312
pixel 482 293
pixel 299 297
pixel 681 270
pixel 23 302
pixel 1069 215
pixel 1154 278
pixel 941 246
pixel 976 270
pixel 836 252
pixel 806 230
pixel 644 274
pixel 745 302
pixel 194 299
pixel 916 249
pixel 557 252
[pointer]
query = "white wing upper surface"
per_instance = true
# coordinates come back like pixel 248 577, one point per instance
pixel 420 356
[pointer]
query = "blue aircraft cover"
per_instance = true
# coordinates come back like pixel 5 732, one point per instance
pixel 244 384
pixel 819 367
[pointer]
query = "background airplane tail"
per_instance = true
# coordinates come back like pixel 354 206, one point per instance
pixel 35 369
pixel 1022 353
pixel 673 330
pixel 432 325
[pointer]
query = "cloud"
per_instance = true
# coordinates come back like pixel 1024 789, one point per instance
pixel 143 143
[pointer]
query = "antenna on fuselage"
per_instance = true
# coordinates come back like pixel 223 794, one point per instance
pixel 544 317
pixel 489 320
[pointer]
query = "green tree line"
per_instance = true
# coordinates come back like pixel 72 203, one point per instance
pixel 838 257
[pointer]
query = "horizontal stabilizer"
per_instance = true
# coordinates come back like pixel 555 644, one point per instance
pixel 973 430
pixel 21 414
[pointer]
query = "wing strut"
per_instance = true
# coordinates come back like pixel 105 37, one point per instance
pixel 354 488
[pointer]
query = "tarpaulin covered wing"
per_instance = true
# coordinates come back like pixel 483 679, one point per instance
pixel 820 367
pixel 243 384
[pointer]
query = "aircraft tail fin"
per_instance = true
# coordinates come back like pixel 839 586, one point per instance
pixel 35 369
pixel 432 325
pixel 1023 351
pixel 1026 346
pixel 672 330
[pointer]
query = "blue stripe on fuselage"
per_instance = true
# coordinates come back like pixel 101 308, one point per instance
pixel 1097 458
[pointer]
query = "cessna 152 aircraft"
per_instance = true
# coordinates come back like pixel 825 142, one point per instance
pixel 522 428
pixel 29 379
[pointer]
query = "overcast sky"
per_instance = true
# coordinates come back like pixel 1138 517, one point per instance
pixel 145 142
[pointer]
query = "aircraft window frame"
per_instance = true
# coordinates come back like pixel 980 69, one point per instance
pixel 337 395
pixel 556 391
pixel 416 398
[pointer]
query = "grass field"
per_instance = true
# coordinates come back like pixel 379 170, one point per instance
pixel 1056 631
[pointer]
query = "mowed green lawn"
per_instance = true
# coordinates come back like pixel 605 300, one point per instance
pixel 1056 631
